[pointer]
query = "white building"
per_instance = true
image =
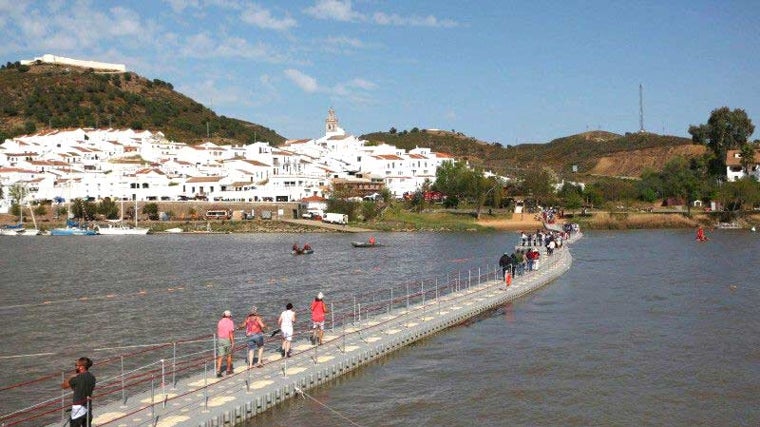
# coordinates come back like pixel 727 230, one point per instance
pixel 99 163
pixel 60 60
pixel 735 170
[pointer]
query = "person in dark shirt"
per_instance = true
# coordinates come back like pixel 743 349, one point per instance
pixel 83 383
pixel 505 262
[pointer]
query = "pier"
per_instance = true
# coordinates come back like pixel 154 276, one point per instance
pixel 180 388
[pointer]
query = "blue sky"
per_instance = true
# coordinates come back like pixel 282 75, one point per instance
pixel 500 71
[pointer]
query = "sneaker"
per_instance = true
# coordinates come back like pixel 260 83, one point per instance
pixel 288 353
pixel 219 374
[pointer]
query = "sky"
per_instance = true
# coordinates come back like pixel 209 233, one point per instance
pixel 497 70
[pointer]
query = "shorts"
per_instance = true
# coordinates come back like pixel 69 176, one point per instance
pixel 223 347
pixel 318 325
pixel 287 334
pixel 255 341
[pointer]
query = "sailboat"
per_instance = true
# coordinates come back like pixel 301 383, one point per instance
pixel 32 231
pixel 19 229
pixel 73 228
pixel 119 228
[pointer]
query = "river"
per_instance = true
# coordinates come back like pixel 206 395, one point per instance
pixel 648 327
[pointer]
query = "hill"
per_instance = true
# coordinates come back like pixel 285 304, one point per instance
pixel 594 153
pixel 41 96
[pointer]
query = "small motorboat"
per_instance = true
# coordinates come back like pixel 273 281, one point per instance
pixel 365 245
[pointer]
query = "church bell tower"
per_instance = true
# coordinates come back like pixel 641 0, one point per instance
pixel 331 123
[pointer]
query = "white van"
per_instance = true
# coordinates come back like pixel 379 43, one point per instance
pixel 335 218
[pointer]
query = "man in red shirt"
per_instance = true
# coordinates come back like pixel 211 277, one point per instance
pixel 225 336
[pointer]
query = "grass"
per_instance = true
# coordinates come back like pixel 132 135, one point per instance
pixel 635 221
pixel 401 220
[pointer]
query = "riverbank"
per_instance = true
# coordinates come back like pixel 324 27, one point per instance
pixel 439 221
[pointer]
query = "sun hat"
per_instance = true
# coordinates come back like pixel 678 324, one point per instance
pixel 320 295
pixel 227 313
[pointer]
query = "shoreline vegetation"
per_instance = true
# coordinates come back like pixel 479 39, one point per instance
pixel 443 221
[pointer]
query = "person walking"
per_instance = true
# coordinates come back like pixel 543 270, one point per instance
pixel 286 322
pixel 318 310
pixel 505 262
pixel 82 383
pixel 225 337
pixel 254 330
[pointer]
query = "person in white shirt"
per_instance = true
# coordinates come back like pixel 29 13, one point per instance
pixel 286 321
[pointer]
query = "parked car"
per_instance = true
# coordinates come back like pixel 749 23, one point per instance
pixel 312 214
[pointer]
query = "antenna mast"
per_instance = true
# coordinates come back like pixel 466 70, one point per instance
pixel 641 108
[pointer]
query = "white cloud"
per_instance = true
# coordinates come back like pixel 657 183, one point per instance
pixel 125 22
pixel 355 90
pixel 178 6
pixel 217 95
pixel 262 18
pixel 412 21
pixel 362 84
pixel 337 10
pixel 79 27
pixel 304 81
pixel 345 41
pixel 204 45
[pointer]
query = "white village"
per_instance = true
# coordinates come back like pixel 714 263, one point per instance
pixel 128 164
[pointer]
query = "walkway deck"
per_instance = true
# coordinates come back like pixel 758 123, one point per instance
pixel 204 400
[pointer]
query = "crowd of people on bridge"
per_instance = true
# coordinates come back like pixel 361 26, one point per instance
pixel 527 256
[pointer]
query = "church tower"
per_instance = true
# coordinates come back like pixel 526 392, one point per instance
pixel 331 123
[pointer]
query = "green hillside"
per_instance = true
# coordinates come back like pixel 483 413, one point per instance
pixel 42 96
pixel 584 150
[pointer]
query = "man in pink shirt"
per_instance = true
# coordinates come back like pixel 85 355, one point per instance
pixel 225 336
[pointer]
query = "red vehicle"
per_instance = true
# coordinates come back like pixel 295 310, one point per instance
pixel 429 196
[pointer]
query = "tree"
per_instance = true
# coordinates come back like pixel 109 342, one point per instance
pixel 83 209
pixel 151 210
pixel 457 179
pixel 572 196
pixel 679 181
pixel 747 153
pixel 18 193
pixel 725 130
pixel 108 208
pixel 451 179
pixel 738 195
pixel 482 188
pixel 538 183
